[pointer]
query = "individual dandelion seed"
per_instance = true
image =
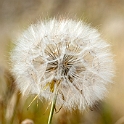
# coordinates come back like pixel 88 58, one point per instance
pixel 66 55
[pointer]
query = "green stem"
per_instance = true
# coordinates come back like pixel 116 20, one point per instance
pixel 52 108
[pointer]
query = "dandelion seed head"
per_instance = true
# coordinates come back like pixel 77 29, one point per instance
pixel 64 50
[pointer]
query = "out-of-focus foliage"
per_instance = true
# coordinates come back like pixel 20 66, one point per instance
pixel 16 15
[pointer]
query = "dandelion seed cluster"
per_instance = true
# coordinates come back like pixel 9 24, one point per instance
pixel 67 51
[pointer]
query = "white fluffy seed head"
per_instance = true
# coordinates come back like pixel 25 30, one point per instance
pixel 67 51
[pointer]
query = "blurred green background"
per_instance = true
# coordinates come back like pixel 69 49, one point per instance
pixel 105 15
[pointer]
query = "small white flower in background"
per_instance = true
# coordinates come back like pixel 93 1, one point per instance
pixel 67 53
pixel 27 121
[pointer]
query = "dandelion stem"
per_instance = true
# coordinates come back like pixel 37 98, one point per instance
pixel 52 108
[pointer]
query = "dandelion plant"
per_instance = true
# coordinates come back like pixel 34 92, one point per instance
pixel 64 61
